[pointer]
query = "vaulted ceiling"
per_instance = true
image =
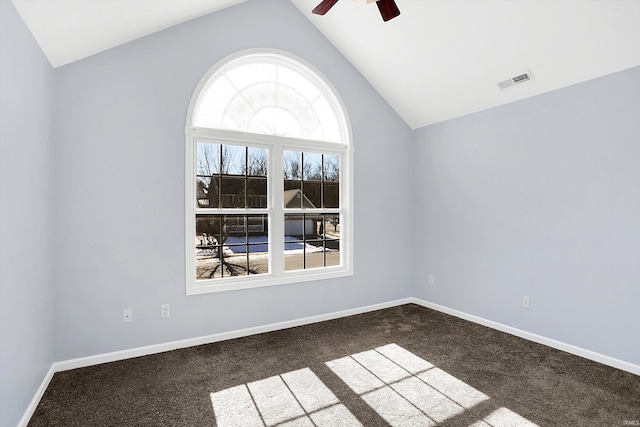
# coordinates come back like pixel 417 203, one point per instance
pixel 438 60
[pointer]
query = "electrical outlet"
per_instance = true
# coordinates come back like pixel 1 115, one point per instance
pixel 127 315
pixel 432 280
pixel 526 302
pixel 164 311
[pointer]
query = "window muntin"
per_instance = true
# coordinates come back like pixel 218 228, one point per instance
pixel 245 234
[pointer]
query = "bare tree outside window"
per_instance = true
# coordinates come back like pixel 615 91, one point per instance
pixel 292 165
pixel 331 168
pixel 228 246
pixel 231 176
pixel 257 162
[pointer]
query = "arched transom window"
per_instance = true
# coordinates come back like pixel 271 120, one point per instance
pixel 268 176
pixel 271 95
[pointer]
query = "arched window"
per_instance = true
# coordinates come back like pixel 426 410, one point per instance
pixel 268 176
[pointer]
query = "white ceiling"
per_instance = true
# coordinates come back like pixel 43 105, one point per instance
pixel 438 60
pixel 68 30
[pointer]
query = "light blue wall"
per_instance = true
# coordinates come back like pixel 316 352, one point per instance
pixel 541 198
pixel 120 119
pixel 26 216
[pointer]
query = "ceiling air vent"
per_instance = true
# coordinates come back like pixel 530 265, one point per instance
pixel 517 80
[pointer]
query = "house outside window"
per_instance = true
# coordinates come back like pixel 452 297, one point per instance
pixel 268 176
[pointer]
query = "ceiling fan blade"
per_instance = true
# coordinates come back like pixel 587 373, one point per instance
pixel 324 7
pixel 388 9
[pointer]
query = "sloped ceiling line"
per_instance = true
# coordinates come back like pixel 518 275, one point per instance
pixel 438 60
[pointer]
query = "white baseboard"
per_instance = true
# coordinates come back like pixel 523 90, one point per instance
pixel 578 351
pixel 190 342
pixel 36 398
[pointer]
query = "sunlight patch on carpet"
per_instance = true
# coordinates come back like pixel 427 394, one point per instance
pixel 297 398
pixel 456 390
pixel 406 390
pixel 234 407
pixel 504 417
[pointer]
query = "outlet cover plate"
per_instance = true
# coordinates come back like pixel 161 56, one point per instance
pixel 164 311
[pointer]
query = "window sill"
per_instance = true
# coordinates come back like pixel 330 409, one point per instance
pixel 237 283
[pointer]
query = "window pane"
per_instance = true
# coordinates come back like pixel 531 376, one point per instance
pixel 330 232
pixel 208 159
pixel 292 194
pixel 259 259
pixel 331 226
pixel 311 241
pixel 233 193
pixel 275 121
pixel 292 179
pixel 331 168
pixel 312 180
pixel 331 194
pixel 331 129
pixel 294 246
pixel 208 229
pixel 207 241
pixel 313 193
pixel 202 191
pixel 256 193
pixel 332 258
pixel 257 161
pixel 257 226
pixel 294 227
pixel 312 170
pixel 233 160
pixel 292 184
pixel 292 165
pixel 231 245
pixel 314 255
pixel 234 229
pixel 207 194
pixel 247 75
pixel 299 82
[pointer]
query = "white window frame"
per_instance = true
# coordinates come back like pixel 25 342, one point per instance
pixel 275 145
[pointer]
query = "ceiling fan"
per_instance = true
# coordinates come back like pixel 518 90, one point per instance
pixel 388 9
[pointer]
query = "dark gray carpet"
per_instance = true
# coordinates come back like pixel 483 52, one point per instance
pixel 544 385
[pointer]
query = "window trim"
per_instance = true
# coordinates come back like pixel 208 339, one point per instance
pixel 275 208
